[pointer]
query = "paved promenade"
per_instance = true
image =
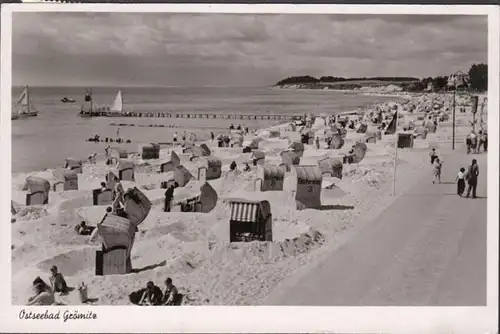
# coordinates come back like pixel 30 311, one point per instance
pixel 427 249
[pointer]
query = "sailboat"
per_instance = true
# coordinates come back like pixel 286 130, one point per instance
pixel 88 109
pixel 116 109
pixel 24 106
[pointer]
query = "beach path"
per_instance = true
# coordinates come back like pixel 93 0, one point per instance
pixel 428 248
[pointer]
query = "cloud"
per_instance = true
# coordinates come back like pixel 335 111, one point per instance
pixel 218 49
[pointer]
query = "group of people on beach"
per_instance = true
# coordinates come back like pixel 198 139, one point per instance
pixel 44 294
pixel 474 142
pixel 464 176
pixel 152 295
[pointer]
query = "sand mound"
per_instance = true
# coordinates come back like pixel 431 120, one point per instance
pixel 256 252
pixel 72 262
pixel 31 213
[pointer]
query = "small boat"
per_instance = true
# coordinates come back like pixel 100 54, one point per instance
pixel 24 106
pixel 67 100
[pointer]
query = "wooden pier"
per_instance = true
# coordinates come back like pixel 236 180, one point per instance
pixel 209 116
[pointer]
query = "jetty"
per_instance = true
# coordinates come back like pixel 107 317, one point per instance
pixel 278 117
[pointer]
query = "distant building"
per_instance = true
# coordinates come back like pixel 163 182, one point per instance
pixel 430 87
pixel 457 80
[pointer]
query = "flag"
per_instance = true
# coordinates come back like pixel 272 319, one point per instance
pixel 391 128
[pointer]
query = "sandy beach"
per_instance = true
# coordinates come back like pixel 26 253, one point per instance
pixel 193 248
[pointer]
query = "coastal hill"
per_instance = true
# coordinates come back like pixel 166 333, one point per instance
pixel 474 80
pixel 326 82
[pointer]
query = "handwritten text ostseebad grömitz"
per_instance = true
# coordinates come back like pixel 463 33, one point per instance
pixel 56 315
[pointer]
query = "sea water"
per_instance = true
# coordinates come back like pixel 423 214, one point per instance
pixel 57 132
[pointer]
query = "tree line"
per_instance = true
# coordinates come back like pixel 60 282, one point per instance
pixel 477 80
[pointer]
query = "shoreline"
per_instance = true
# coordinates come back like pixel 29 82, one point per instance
pixel 252 270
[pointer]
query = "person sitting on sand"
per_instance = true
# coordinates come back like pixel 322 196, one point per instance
pixel 57 281
pixel 43 294
pixel 104 187
pixel 231 127
pixel 84 229
pixel 152 295
pixel 247 167
pixel 171 293
pixel 233 166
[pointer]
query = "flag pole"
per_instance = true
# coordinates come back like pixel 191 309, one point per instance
pixel 395 164
pixel 395 156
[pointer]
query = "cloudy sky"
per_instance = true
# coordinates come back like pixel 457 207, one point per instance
pixel 162 49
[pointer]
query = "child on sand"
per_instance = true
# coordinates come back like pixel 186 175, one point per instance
pixel 461 182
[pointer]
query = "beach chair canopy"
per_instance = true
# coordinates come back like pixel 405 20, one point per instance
pixel 201 151
pixel 296 146
pixel 72 162
pixel 337 142
pixel 125 164
pixel 258 155
pixel 212 161
pixel 290 158
pixel 188 144
pixel 35 184
pixel 359 152
pixel 118 152
pixel 137 206
pixel 116 231
pixel 243 210
pixel 62 174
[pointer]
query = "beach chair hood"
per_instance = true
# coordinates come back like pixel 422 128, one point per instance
pixel 137 206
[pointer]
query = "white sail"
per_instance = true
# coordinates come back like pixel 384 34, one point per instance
pixel 118 103
pixel 23 98
pixel 24 104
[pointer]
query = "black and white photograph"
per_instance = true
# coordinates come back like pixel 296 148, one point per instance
pixel 249 159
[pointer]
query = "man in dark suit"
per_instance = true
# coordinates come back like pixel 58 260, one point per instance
pixel 472 174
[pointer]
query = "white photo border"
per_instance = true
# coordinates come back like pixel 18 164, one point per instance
pixel 266 319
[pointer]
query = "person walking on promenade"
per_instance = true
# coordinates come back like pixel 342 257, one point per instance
pixel 433 155
pixel 484 138
pixel 472 174
pixel 436 166
pixel 461 182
